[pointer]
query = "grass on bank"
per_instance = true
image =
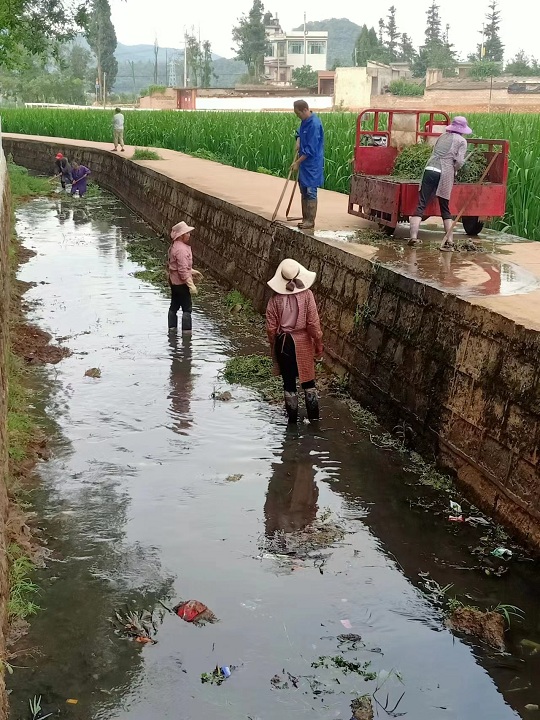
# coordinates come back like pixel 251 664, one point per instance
pixel 21 426
pixel 23 185
pixel 22 589
pixel 145 154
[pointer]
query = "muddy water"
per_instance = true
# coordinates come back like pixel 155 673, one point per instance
pixel 138 505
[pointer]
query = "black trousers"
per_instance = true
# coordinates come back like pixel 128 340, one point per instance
pixel 288 367
pixel 428 188
pixel 180 298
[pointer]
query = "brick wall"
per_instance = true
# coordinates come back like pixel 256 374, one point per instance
pixel 463 377
pixel 463 102
pixel 5 231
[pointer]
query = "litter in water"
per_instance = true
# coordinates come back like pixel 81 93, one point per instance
pixel 502 552
pixel 193 611
pixel 346 624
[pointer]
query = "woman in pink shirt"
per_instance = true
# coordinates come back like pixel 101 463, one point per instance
pixel 294 333
pixel 181 274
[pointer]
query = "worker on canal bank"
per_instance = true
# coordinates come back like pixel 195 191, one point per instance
pixel 79 173
pixel 118 130
pixel 309 161
pixel 181 277
pixel 446 159
pixel 294 333
pixel 63 170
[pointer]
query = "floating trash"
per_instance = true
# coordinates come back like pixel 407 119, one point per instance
pixel 194 611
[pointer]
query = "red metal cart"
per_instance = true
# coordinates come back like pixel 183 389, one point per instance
pixel 377 196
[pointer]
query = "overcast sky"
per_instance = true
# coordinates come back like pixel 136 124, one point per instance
pixel 140 21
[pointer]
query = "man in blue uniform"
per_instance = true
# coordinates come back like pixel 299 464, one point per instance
pixel 309 161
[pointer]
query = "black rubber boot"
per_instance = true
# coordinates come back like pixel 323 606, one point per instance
pixel 311 213
pixel 312 403
pixel 304 213
pixel 186 323
pixel 291 406
pixel 172 319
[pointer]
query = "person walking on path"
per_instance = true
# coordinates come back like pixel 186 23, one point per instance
pixel 294 333
pixel 309 161
pixel 118 129
pixel 63 170
pixel 79 173
pixel 181 274
pixel 446 159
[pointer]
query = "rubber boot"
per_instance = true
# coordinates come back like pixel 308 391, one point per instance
pixel 449 242
pixel 186 323
pixel 304 213
pixel 172 320
pixel 291 406
pixel 311 212
pixel 312 403
pixel 414 223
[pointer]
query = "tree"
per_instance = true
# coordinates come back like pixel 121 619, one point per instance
pixel 250 38
pixel 521 65
pixel 101 37
pixel 207 70
pixel 35 27
pixel 305 77
pixel 483 69
pixel 392 35
pixel 433 27
pixel 407 53
pixel 493 48
pixel 78 60
pixel 368 48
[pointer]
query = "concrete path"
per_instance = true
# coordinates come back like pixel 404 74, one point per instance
pixel 504 278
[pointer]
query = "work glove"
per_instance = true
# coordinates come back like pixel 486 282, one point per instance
pixel 191 285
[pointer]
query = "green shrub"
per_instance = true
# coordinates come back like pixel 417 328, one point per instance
pixel 406 88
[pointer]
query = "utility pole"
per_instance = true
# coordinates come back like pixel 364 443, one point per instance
pixel 104 89
pixel 166 64
pixel 185 59
pixel 305 41
pixel 132 65
pixel 156 55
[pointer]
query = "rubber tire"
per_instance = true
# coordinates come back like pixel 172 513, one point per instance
pixel 472 225
pixel 387 229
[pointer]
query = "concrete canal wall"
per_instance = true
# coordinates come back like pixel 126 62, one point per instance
pixel 464 378
pixel 5 233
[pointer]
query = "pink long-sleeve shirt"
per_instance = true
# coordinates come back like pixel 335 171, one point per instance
pixel 180 263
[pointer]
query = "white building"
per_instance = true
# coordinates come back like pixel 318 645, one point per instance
pixel 293 50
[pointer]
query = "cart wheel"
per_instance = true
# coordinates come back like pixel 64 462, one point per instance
pixel 387 230
pixel 472 225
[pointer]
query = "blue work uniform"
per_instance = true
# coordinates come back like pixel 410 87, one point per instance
pixel 310 172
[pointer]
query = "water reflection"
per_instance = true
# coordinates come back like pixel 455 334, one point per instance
pixel 181 380
pixel 463 273
pixel 292 496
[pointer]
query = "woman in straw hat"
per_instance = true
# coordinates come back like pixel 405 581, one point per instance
pixel 294 333
pixel 181 277
pixel 446 159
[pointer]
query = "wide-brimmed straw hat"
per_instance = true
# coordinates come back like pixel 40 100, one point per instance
pixel 180 229
pixel 291 278
pixel 459 125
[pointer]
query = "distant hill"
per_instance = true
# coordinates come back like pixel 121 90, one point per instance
pixel 228 71
pixel 342 36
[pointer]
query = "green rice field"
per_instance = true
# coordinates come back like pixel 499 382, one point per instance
pixel 265 142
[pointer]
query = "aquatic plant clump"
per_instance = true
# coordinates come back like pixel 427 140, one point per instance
pixel 411 161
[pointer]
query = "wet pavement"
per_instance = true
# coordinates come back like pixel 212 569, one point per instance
pixel 467 274
pixel 141 502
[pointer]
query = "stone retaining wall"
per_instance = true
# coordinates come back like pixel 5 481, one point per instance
pixel 464 379
pixel 5 234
